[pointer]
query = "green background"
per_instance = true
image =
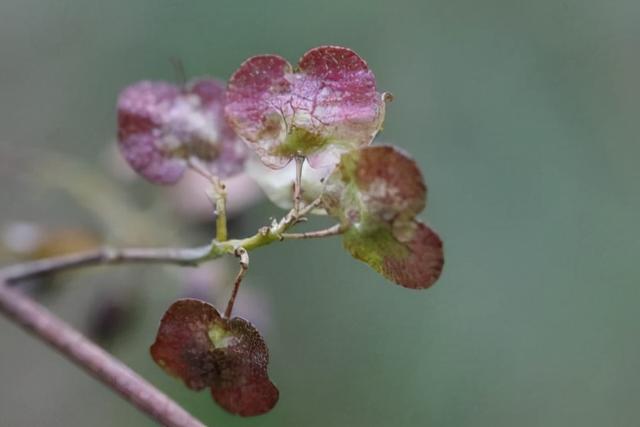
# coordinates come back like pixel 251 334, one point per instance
pixel 524 117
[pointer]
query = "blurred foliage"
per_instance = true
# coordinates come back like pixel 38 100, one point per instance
pixel 524 118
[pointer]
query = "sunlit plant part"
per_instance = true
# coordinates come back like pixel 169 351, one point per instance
pixel 162 127
pixel 328 105
pixel 197 345
pixel 376 192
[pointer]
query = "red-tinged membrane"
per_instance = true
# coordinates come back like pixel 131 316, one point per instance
pixel 327 106
pixel 162 126
pixel 379 181
pixel 376 192
pixel 197 345
pixel 255 397
pixel 422 263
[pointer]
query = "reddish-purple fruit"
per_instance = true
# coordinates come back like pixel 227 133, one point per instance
pixel 162 126
pixel 328 105
pixel 376 192
pixel 197 345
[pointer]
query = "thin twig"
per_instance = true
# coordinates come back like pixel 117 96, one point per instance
pixel 297 185
pixel 97 362
pixel 196 165
pixel 294 216
pixel 331 231
pixel 176 256
pixel 221 209
pixel 244 266
pixel 311 206
pixel 217 195
pixel 273 233
pixel 106 255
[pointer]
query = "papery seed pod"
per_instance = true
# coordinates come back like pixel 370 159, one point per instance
pixel 376 192
pixel 197 345
pixel 327 106
pixel 161 127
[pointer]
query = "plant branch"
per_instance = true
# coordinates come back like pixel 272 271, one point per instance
pixel 218 195
pixel 178 256
pixel 219 198
pixel 97 362
pixel 297 185
pixel 331 231
pixel 268 235
pixel 106 255
pixel 244 266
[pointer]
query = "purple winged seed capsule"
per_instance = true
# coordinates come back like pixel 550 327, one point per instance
pixel 161 126
pixel 325 107
pixel 203 349
pixel 376 192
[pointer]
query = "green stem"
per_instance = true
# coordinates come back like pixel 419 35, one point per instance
pixel 297 185
pixel 217 194
pixel 221 209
